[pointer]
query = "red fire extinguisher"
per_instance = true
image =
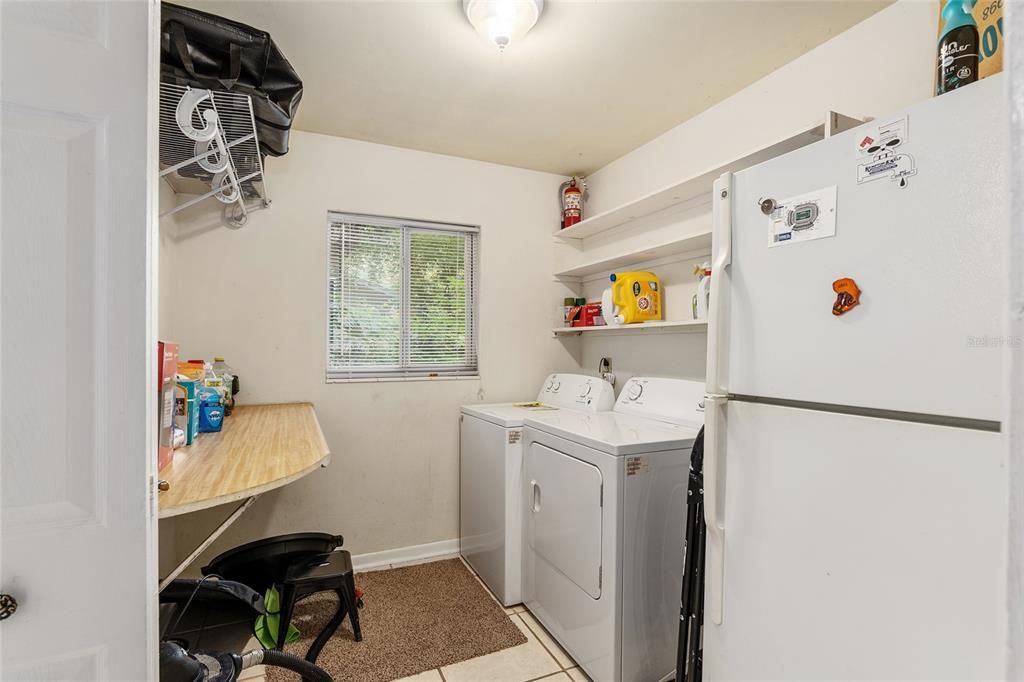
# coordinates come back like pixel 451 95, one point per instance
pixel 570 196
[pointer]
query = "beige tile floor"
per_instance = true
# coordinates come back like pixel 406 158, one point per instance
pixel 539 659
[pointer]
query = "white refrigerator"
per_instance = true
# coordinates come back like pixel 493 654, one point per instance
pixel 855 456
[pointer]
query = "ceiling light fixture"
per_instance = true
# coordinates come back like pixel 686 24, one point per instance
pixel 502 21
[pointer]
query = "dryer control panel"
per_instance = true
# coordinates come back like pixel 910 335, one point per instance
pixel 673 400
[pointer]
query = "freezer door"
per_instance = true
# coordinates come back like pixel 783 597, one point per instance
pixel 929 259
pixel 857 548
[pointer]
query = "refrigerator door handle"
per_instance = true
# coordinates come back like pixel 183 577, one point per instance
pixel 715 566
pixel 721 218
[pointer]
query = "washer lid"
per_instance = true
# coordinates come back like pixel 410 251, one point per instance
pixel 508 415
pixel 615 433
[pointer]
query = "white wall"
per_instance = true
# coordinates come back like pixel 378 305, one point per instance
pixel 166 264
pixel 883 64
pixel 257 296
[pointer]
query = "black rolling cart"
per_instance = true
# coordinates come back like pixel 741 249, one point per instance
pixel 689 658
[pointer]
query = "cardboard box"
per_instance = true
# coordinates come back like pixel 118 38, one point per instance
pixel 186 409
pixel 584 315
pixel 167 365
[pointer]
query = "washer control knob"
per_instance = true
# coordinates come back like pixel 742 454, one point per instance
pixel 635 389
pixel 585 390
pixel 556 385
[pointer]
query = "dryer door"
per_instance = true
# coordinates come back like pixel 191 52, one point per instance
pixel 564 515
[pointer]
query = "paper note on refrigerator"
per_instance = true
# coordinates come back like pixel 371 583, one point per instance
pixel 803 218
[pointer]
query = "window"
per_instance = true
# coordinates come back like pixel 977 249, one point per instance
pixel 401 298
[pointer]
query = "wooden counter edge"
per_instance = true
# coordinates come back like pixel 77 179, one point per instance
pixel 239 495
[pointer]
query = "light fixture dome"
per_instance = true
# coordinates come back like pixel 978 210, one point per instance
pixel 502 21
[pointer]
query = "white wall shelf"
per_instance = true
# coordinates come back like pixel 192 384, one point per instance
pixel 694 243
pixel 683 326
pixel 700 185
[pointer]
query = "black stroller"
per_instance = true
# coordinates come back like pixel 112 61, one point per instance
pixel 689 658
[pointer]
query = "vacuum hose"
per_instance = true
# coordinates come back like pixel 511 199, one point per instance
pixel 308 671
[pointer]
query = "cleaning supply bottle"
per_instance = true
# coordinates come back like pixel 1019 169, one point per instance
pixel 636 296
pixel 230 382
pixel 957 63
pixel 702 299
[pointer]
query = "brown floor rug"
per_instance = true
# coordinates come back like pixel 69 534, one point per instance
pixel 415 618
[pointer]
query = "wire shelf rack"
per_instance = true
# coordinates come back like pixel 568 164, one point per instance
pixel 198 168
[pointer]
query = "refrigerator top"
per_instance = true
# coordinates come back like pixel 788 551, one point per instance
pixel 615 433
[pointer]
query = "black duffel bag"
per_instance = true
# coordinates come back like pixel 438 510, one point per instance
pixel 207 51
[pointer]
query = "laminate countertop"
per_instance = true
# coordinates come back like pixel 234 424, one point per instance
pixel 260 448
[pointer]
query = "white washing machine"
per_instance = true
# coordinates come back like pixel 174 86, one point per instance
pixel 491 483
pixel 605 502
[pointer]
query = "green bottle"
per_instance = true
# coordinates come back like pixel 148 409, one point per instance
pixel 957 63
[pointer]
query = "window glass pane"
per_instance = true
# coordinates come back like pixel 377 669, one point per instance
pixel 366 297
pixel 437 298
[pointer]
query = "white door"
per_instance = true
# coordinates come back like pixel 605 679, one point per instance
pixel 929 259
pixel 77 356
pixel 855 549
pixel 564 495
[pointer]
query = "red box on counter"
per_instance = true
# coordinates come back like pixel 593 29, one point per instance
pixel 167 367
pixel 584 315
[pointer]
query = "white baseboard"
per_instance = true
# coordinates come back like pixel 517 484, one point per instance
pixel 406 556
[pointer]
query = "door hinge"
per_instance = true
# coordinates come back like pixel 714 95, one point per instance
pixel 600 576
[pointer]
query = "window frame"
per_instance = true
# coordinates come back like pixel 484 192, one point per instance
pixel 405 371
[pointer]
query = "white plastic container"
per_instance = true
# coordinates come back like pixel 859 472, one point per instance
pixel 702 299
pixel 608 311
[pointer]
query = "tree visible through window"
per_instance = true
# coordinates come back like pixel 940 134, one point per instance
pixel 401 298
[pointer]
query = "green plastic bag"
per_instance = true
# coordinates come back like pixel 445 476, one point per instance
pixel 268 625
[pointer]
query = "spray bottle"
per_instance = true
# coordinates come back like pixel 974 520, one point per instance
pixel 702 298
pixel 957 63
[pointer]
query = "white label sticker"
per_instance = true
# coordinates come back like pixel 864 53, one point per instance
pixel 636 465
pixel 876 137
pixel 803 218
pixel 881 153
pixel 167 412
pixel 514 437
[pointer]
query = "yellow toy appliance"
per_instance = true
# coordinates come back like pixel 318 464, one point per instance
pixel 636 297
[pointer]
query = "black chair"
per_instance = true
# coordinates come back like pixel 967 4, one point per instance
pixel 299 565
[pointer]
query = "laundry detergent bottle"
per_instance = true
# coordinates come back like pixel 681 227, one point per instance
pixel 957 62
pixel 636 297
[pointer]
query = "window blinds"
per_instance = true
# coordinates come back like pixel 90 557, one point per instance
pixel 402 298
